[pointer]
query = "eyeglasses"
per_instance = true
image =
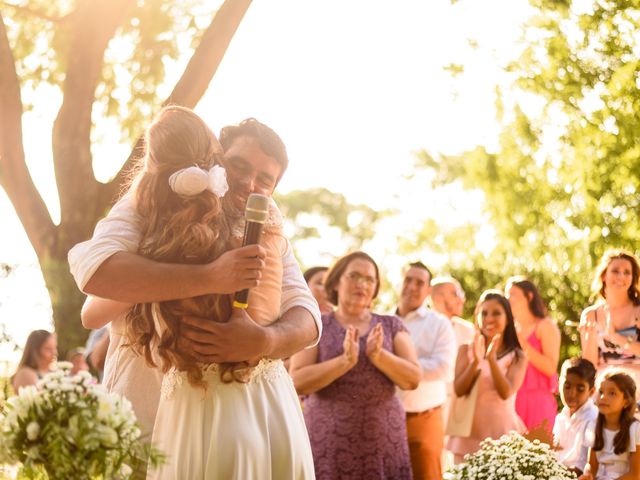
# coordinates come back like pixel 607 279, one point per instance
pixel 355 277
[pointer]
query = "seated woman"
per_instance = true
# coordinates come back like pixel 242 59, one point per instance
pixel 40 351
pixel 356 423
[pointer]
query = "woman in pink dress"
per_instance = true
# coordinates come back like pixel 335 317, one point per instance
pixel 498 368
pixel 539 338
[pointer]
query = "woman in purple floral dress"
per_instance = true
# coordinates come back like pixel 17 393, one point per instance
pixel 356 424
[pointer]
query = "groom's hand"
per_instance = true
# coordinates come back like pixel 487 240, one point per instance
pixel 239 339
pixel 237 269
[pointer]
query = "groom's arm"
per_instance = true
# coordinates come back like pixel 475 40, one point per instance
pixel 107 266
pixel 127 277
pixel 241 339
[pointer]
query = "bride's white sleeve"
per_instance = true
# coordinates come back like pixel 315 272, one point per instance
pixel 117 232
pixel 295 292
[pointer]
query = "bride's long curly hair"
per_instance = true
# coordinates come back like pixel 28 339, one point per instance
pixel 177 229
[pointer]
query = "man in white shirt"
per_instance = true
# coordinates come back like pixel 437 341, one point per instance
pixel 107 266
pixel 435 344
pixel 447 298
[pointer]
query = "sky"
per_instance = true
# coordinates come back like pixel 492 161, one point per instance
pixel 355 88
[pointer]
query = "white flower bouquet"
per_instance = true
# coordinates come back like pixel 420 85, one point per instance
pixel 70 427
pixel 511 457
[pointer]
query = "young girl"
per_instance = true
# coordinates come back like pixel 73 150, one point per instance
pixel 496 361
pixel 213 421
pixel 615 436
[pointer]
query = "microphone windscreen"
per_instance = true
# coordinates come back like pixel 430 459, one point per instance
pixel 257 209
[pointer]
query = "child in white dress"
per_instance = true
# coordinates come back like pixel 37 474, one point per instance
pixel 614 438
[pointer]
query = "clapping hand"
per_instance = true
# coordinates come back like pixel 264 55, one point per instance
pixel 494 347
pixel 479 348
pixel 350 346
pixel 374 342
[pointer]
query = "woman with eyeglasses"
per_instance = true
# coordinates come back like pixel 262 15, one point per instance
pixel 356 423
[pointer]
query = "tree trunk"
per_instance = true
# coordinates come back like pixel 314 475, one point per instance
pixel 83 200
pixel 66 302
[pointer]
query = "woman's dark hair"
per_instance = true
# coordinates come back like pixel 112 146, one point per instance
pixel 268 140
pixel 536 305
pixel 310 272
pixel 509 337
pixel 335 272
pixel 621 441
pixel 31 352
pixel 608 257
pixel 583 368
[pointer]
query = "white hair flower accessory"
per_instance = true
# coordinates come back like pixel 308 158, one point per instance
pixel 194 180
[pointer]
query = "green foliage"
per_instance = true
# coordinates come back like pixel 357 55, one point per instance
pixel 40 39
pixel 563 185
pixel 356 222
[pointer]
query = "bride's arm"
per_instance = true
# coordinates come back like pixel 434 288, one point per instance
pixel 97 312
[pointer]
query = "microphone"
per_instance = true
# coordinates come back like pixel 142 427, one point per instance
pixel 255 214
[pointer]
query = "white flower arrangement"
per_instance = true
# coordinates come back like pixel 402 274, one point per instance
pixel 71 427
pixel 511 457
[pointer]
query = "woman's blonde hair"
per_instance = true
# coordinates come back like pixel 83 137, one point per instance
pixel 178 229
pixel 609 256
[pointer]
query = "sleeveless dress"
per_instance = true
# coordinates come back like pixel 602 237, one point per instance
pixel 536 401
pixel 356 424
pixel 240 430
pixel 493 415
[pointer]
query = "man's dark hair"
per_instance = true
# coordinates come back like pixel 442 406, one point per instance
pixel 422 266
pixel 268 140
pixel 583 368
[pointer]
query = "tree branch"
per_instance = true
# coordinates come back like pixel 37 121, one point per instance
pixel 94 24
pixel 14 174
pixel 197 75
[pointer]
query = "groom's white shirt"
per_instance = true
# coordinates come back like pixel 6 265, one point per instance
pixel 125 372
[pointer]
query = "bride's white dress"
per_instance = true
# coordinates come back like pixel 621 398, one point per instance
pixel 253 430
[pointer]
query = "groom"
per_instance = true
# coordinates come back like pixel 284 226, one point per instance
pixel 107 266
